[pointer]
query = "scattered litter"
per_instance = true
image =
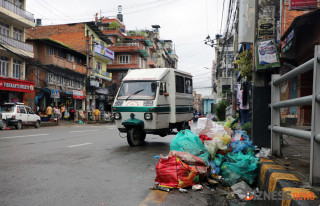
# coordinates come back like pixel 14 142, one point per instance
pixel 241 189
pixel 166 189
pixel 212 182
pixel 296 155
pixel 183 190
pixel 264 152
pixel 156 157
pixel 197 187
pixel 230 196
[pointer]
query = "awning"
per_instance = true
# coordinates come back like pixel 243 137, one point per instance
pixel 144 53
pixel 149 42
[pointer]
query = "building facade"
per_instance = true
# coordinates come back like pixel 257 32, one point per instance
pixel 14 51
pixel 87 39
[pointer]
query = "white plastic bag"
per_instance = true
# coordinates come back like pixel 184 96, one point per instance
pixel 212 129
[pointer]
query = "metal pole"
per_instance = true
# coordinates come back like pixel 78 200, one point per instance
pixel 315 129
pixel 275 117
pixel 301 101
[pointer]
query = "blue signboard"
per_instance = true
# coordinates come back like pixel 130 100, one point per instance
pixel 55 94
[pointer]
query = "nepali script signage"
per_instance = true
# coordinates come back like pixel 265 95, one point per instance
pixel 16 85
pixel 100 49
pixel 303 4
pixel 78 94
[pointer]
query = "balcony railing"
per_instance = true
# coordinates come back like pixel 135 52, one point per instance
pixel 11 7
pixel 15 43
pixel 127 44
pixel 101 72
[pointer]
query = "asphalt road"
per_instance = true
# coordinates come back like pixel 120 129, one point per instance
pixel 84 165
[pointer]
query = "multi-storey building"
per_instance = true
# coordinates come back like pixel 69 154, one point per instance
pixel 134 49
pixel 87 39
pixel 59 75
pixel 14 19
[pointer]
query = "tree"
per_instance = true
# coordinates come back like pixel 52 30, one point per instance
pixel 114 25
pixel 244 64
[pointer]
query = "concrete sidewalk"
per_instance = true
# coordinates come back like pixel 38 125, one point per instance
pixel 67 123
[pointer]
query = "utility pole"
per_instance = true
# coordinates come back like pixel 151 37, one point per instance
pixel 88 68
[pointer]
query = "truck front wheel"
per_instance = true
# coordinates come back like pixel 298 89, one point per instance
pixel 135 136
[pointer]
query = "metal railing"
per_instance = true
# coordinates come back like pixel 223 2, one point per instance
pixel 314 100
pixel 21 12
pixel 15 43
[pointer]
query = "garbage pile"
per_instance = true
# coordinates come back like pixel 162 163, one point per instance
pixel 217 155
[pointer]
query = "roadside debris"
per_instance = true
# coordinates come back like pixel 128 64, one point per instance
pixel 197 187
pixel 241 189
pixel 183 190
pixel 218 157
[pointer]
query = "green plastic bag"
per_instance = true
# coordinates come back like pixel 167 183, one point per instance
pixel 186 141
pixel 239 167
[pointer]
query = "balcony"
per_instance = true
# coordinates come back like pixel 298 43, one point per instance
pixel 18 11
pixel 152 62
pixel 125 47
pixel 102 74
pixel 119 66
pixel 113 31
pixel 63 63
pixel 15 44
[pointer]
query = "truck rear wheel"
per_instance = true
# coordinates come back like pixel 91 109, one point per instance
pixel 134 136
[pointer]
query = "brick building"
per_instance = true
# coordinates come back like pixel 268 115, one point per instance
pixel 59 75
pixel 82 37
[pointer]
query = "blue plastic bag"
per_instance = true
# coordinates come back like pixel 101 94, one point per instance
pixel 241 146
pixel 186 141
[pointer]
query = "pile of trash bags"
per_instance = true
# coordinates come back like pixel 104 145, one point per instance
pixel 216 154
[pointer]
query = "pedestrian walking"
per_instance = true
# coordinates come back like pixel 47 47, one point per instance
pixel 244 103
pixel 57 112
pixel 49 111
pixel 63 110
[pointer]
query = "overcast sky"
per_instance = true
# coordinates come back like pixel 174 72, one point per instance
pixel 186 22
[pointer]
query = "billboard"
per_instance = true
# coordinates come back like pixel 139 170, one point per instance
pixel 303 4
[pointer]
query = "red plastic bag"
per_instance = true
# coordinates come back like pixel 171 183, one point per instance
pixel 191 161
pixel 172 172
pixel 204 138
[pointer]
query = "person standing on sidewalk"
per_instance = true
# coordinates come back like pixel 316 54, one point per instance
pixel 244 104
pixel 96 113
pixel 49 111
pixel 57 112
pixel 63 110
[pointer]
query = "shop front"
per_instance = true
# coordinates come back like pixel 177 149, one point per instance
pixel 14 90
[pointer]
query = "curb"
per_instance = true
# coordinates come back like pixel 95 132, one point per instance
pixel 275 178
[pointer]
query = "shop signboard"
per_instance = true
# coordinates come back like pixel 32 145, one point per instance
pixel 78 94
pixel 102 50
pixel 16 85
pixel 303 4
pixel 55 94
pixel 266 54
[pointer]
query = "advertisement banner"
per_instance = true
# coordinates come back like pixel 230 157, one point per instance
pixel 78 94
pixel 100 49
pixel 303 4
pixel 16 85
pixel 266 55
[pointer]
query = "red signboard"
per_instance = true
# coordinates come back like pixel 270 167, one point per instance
pixel 78 94
pixel 16 85
pixel 303 4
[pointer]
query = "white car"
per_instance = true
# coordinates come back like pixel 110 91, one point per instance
pixel 17 114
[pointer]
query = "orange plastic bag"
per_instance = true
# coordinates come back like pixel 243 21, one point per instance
pixel 172 172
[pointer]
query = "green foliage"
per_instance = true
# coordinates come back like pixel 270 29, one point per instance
pixel 143 33
pixel 220 110
pixel 244 64
pixel 132 33
pixel 247 127
pixel 114 25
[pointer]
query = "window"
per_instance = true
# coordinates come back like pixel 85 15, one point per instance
pixel 78 60
pixel 50 78
pixel 124 59
pixel 4 29
pixel 138 90
pixel 70 58
pixel 60 80
pixel 188 86
pixel 70 83
pixel 78 85
pixel 29 110
pixel 179 84
pixel 51 50
pixel 17 34
pixel 4 66
pixel 61 54
pixel 22 110
pixel 99 66
pixel 17 69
